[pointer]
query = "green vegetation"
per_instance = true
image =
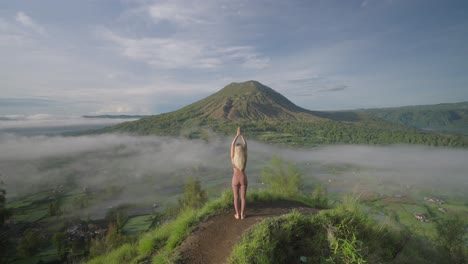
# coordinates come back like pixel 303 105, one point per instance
pixel 30 243
pixel 5 213
pixel 61 243
pixel 268 116
pixel 105 244
pixel 440 117
pixel 165 238
pixel 340 235
pixel 452 238
pixel 160 244
pixel 281 178
pixel 194 197
pixel 319 196
pixel 138 224
pixel 54 208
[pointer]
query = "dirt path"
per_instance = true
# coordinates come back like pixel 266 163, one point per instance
pixel 213 240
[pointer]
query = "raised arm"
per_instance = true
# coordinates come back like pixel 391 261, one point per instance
pixel 245 149
pixel 233 144
pixel 245 144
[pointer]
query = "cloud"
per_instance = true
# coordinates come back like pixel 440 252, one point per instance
pixel 28 22
pixel 182 14
pixel 14 122
pixel 153 166
pixel 121 108
pixel 178 53
pixel 166 53
pixel 194 35
pixel 36 102
pixel 245 55
pixel 305 81
pixel 309 86
pixel 335 88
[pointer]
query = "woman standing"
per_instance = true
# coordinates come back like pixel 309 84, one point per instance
pixel 239 180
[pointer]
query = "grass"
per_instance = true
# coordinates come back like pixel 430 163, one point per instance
pixel 344 234
pixel 29 199
pixel 123 254
pixel 48 255
pixel 162 240
pixel 277 240
pixel 31 215
pixel 137 224
pixel 341 235
pixel 159 245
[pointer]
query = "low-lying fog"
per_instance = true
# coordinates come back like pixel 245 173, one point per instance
pixel 155 166
pixel 43 124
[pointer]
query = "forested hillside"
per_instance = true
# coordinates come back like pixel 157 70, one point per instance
pixel 270 117
pixel 439 117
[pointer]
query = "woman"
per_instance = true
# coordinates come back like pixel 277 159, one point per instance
pixel 239 180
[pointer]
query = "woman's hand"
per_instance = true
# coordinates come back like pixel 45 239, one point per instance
pixel 238 132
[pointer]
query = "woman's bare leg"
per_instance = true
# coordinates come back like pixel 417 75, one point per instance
pixel 235 190
pixel 243 194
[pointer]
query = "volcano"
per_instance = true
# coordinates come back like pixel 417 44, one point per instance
pixel 267 115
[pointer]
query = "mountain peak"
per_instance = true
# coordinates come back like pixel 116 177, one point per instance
pixel 248 100
pixel 237 88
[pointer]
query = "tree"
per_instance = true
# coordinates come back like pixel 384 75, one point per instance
pixel 451 236
pixel 81 201
pixel 102 245
pixel 282 178
pixel 60 241
pixel 121 219
pixel 29 244
pixel 54 208
pixel 118 217
pixel 5 213
pixel 194 195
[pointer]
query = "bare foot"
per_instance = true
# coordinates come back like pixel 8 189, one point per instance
pixel 243 216
pixel 236 216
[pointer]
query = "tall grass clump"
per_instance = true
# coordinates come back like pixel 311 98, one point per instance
pixel 341 235
pixel 282 239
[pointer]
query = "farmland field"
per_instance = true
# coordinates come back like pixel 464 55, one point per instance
pixel 137 224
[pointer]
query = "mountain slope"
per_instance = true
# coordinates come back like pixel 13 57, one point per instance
pixel 249 100
pixel 268 116
pixel 440 117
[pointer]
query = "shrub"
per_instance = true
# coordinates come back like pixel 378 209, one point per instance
pixel 29 244
pixel 194 195
pixel 452 238
pixel 282 178
pixel 340 235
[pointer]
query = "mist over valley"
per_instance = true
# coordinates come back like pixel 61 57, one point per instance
pixel 77 178
pixel 148 169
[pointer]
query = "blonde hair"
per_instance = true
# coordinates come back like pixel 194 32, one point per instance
pixel 239 157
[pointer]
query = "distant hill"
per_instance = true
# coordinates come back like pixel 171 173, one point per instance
pixel 439 117
pixel 268 116
pixel 115 116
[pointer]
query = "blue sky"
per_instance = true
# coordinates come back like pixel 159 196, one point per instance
pixel 148 57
